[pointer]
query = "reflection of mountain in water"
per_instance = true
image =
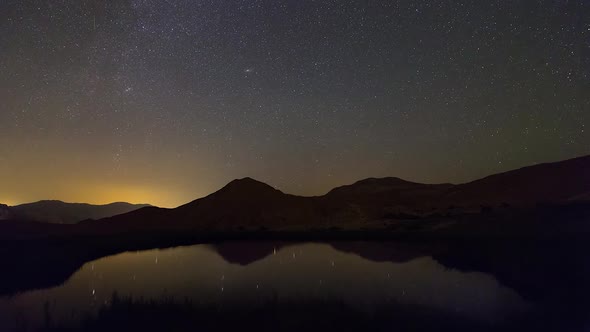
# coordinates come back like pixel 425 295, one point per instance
pixel 553 274
pixel 244 253
pixel 311 272
pixel 529 267
pixel 248 252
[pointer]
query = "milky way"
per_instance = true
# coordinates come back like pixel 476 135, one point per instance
pixel 165 101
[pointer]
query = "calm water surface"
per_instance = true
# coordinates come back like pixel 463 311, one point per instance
pixel 211 274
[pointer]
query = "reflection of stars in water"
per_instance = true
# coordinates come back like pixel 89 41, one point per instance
pixel 93 292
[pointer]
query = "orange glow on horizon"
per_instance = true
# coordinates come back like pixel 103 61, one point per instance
pixel 7 201
pixel 105 194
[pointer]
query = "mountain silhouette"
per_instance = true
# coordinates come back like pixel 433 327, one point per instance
pixel 247 187
pixel 549 182
pixel 375 198
pixel 377 186
pixel 241 204
pixel 248 204
pixel 59 212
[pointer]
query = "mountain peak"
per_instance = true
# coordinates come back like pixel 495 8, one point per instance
pixel 246 180
pixel 374 185
pixel 386 180
pixel 248 185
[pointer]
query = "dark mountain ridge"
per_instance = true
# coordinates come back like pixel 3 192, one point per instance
pixel 249 204
pixel 547 182
pixel 242 203
pixel 373 186
pixel 58 212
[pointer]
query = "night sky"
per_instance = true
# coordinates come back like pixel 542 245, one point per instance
pixel 163 102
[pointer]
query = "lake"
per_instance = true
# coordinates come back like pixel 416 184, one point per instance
pixel 365 278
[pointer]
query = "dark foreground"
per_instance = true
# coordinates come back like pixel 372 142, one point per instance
pixel 168 315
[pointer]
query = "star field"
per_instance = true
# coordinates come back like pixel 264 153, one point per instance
pixel 165 101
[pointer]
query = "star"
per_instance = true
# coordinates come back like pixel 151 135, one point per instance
pixel 314 88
